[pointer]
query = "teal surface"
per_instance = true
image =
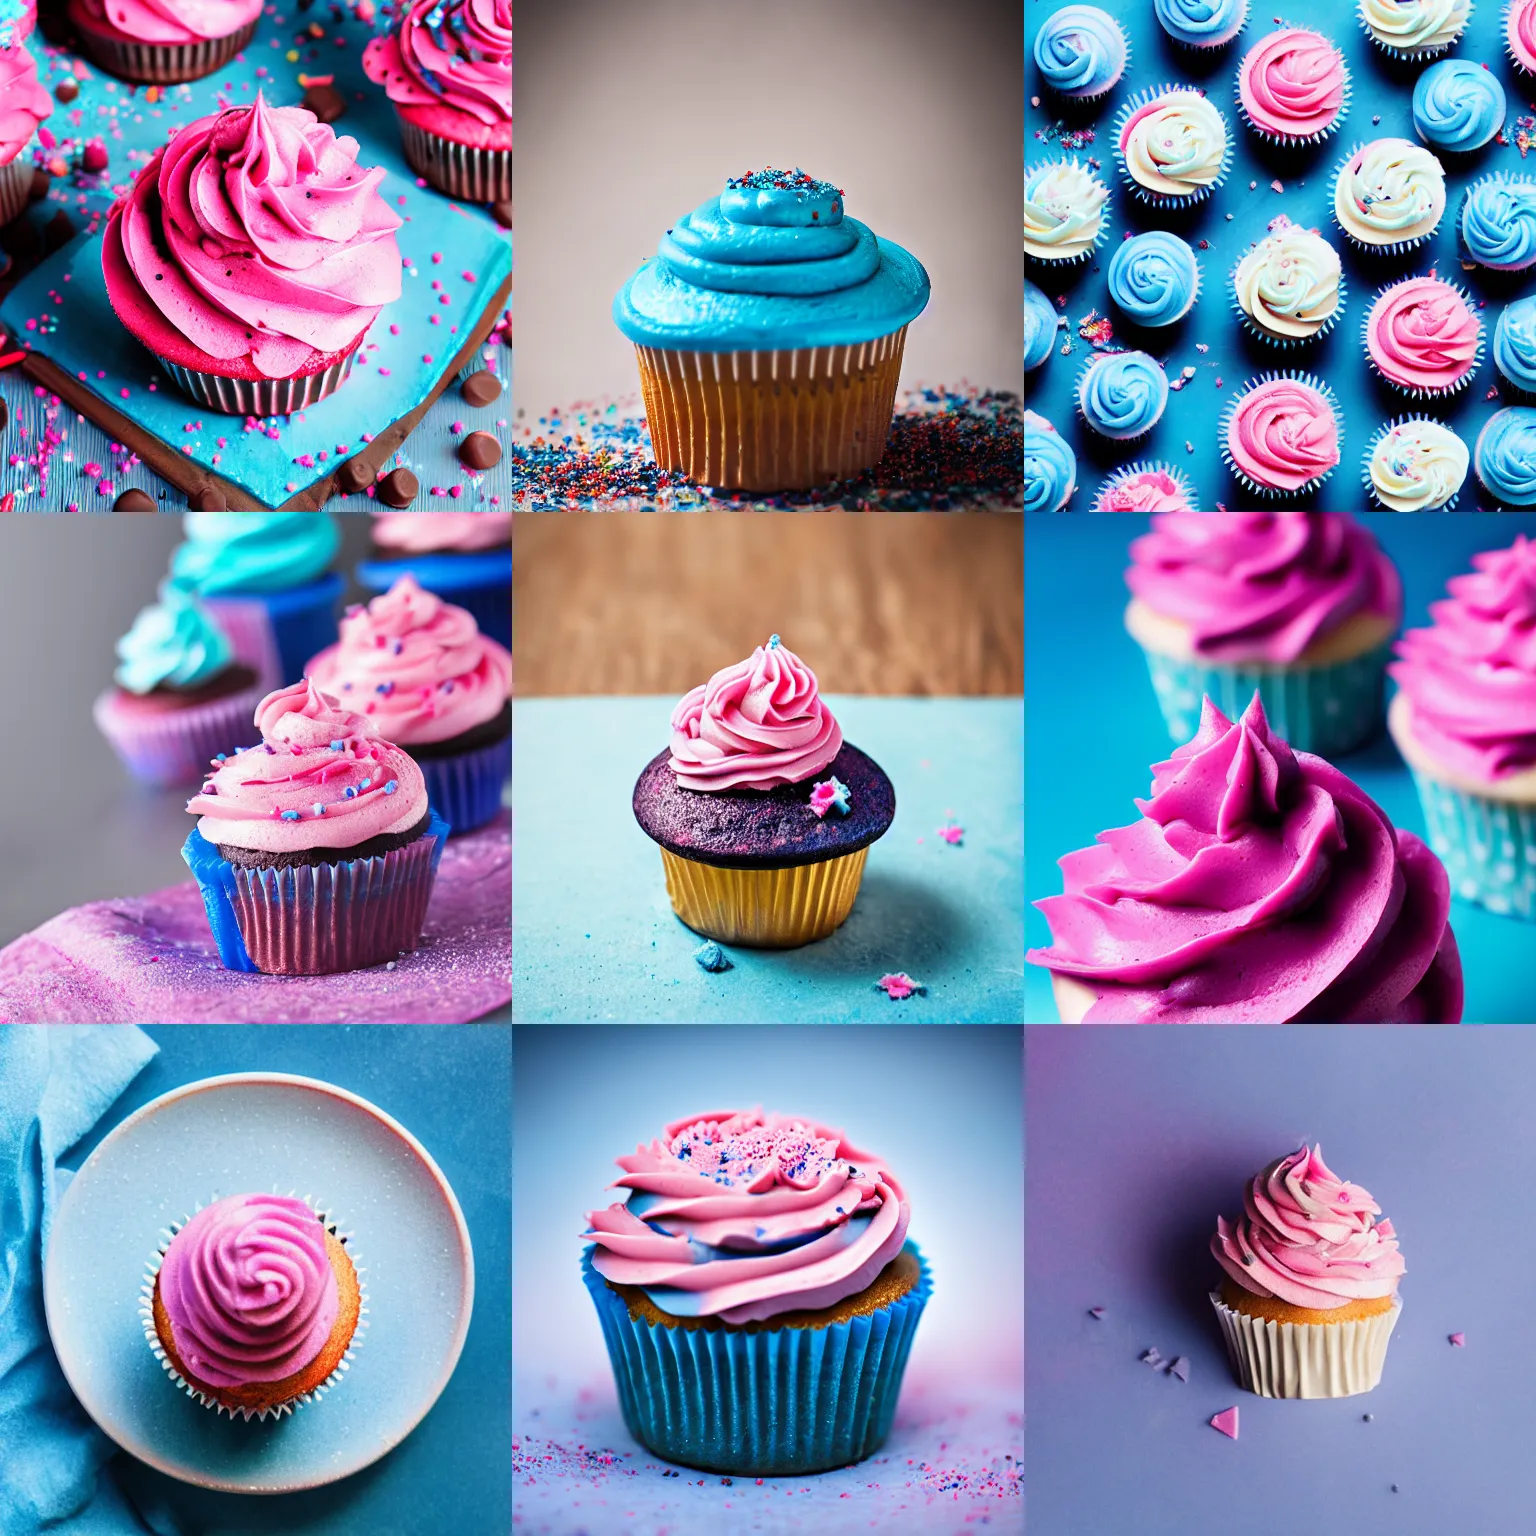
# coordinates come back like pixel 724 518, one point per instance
pixel 594 938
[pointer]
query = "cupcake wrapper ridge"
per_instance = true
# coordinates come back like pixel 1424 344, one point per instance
pixel 1306 1359
pixel 258 397
pixel 15 185
pixel 176 747
pixel 461 170
pixel 465 789
pixel 1488 846
pixel 162 63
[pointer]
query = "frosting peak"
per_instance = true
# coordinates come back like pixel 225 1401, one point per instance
pixel 173 643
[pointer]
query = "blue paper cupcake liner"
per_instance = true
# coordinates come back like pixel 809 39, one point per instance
pixel 280 630
pixel 1328 710
pixel 1370 484
pixel 773 1403
pixel 478 580
pixel 1286 343
pixel 317 919
pixel 1488 846
pixel 1146 195
pixel 465 789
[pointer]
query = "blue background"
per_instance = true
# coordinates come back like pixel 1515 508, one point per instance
pixel 1094 727
pixel 1137 1140
pixel 1377 89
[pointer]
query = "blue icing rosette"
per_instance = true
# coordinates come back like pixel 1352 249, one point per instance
pixel 1202 23
pixel 1121 395
pixel 1514 347
pixel 174 642
pixel 1154 278
pixel 1081 52
pixel 1458 106
pixel 1506 456
pixel 254 551
pixel 1050 466
pixel 1040 326
pixel 1498 222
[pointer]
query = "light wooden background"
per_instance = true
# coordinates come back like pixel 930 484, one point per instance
pixel 893 603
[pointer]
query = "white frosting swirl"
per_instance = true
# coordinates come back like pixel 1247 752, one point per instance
pixel 1389 190
pixel 1063 211
pixel 1415 26
pixel 1289 283
pixel 1174 145
pixel 1417 465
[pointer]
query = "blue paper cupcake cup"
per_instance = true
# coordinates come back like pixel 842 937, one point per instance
pixel 465 789
pixel 479 580
pixel 317 919
pixel 1488 846
pixel 776 1402
pixel 277 632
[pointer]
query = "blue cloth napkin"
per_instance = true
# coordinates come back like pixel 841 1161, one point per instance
pixel 56 1082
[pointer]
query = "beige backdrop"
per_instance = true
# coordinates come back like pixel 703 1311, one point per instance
pixel 632 112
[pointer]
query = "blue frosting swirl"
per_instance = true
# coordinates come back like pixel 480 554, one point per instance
pixel 1514 344
pixel 1201 23
pixel 1506 456
pixel 1154 277
pixel 1080 51
pixel 174 642
pixel 773 263
pixel 1123 394
pixel 1498 221
pixel 1457 105
pixel 254 551
pixel 1050 466
pixel 1039 326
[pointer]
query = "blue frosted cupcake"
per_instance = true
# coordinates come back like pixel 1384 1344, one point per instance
pixel 1173 147
pixel 1050 466
pixel 1081 53
pixel 1505 456
pixel 1040 325
pixel 1415 464
pixel 1066 216
pixel 464 557
pixel 1122 395
pixel 1514 350
pixel 1388 196
pixel 1458 107
pixel 1154 279
pixel 1497 222
pixel 1200 25
pixel 1414 30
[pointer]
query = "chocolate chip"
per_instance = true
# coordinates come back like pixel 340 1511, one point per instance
pixel 398 488
pixel 353 476
pixel 502 212
pixel 66 90
pixel 134 500
pixel 209 499
pixel 325 101
pixel 480 451
pixel 41 181
pixel 58 231
pixel 481 388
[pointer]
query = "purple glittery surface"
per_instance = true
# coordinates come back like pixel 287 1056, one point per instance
pixel 150 959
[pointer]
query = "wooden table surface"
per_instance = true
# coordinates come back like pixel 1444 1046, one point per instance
pixel 895 603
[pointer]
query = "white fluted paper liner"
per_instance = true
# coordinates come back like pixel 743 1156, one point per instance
pixel 152 1336
pixel 1306 1359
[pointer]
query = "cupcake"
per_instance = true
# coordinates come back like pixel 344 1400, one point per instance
pixel 1464 717
pixel 1293 88
pixel 1154 278
pixel 163 42
pixel 1289 288
pixel 1146 488
pixel 1498 222
pixel 1081 53
pixel 1260 886
pixel 1065 219
pixel 1201 24
pixel 1520 34
pixel 252 298
pixel 1298 607
pixel 1458 106
pixel 1122 395
pixel 266 579
pixel 446 66
pixel 1505 456
pixel 1280 436
pixel 769 329
pixel 1050 466
pixel 757 1294
pixel 1416 464
pixel 1040 325
pixel 763 813
pixel 1423 338
pixel 1388 196
pixel 180 695
pixel 429 681
pixel 1172 145
pixel 1514 349
pixel 17 20
pixel 1415 30
pixel 1308 1297
pixel 253 1306
pixel 465 557
pixel 23 105
pixel 315 850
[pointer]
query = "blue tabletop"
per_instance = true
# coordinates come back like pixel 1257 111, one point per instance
pixel 594 937
pixel 1095 729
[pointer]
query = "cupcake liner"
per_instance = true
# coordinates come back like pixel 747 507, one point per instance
pixel 465 789
pixel 1295 140
pixel 278 632
pixel 162 63
pixel 771 421
pixel 244 621
pixel 1418 391
pixel 461 170
pixel 331 1382
pixel 1286 343
pixel 175 747
pixel 317 919
pixel 15 185
pixel 259 397
pixel 770 1403
pixel 1144 194
pixel 1329 710
pixel 1306 1359
pixel 1271 492
pixel 1370 484
pixel 764 908
pixel 1488 846
pixel 1143 467
pixel 479 581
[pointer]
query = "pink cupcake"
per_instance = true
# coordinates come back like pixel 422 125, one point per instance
pixel 1293 88
pixel 250 255
pixel 1280 436
pixel 1423 338
pixel 1146 488
pixel 1520 35
pixel 447 67
pixel 23 105
pixel 162 42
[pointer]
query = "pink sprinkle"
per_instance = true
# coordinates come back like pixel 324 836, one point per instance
pixel 1277 186
pixel 468 277
pixel 45 136
pixel 1458 1340
pixel 437 258
pixel 443 298
pixel 58 166
pixel 951 834
pixel 92 470
pixel 1226 1422
pixel 426 357
pixel 456 427
pixel 104 487
pixel 899 985
pixel 394 330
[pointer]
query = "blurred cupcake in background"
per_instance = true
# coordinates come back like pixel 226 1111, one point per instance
pixel 154 43
pixel 464 557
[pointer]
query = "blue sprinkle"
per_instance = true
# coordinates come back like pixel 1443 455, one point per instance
pixel 290 815
pixel 391 787
pixel 365 784
pixel 399 646
pixel 773 642
pixel 350 792
pixel 222 757
pixel 336 746
pixel 711 957
pixel 319 809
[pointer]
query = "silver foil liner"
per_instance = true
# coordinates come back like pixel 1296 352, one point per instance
pixel 162 63
pixel 1306 1359
pixel 460 170
pixel 258 397
pixel 15 186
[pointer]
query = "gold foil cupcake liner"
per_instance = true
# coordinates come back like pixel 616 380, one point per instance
pixel 771 421
pixel 163 63
pixel 461 170
pixel 1306 1359
pixel 764 908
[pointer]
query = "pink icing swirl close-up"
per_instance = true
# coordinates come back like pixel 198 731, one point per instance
pixel 419 533
pixel 249 1290
pixel 322 777
pixel 1471 676
pixel 170 21
pixel 1422 334
pixel 1261 886
pixel 755 725
pixel 1293 83
pixel 1309 1238
pixel 1283 434
pixel 743 1215
pixel 450 53
pixel 1262 585
pixel 417 667
pixel 23 101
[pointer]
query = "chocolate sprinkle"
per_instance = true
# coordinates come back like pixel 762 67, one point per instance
pixel 134 500
pixel 480 451
pixel 502 212
pixel 481 388
pixel 209 499
pixel 325 101
pixel 353 476
pixel 66 90
pixel 398 488
pixel 5 415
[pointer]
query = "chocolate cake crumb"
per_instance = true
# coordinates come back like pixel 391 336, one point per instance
pixel 325 101
pixel 66 91
pixel 209 499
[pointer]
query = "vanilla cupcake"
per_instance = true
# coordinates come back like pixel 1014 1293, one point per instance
pixel 1290 288
pixel 1388 196
pixel 1065 213
pixel 1416 464
pixel 1173 146
pixel 1416 30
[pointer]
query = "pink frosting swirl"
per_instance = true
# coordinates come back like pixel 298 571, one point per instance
pixel 741 1215
pixel 170 21
pixel 23 101
pixel 454 53
pixel 1422 334
pixel 753 726
pixel 416 666
pixel 1283 434
pixel 253 237
pixel 1262 585
pixel 1309 1238
pixel 322 778
pixel 420 533
pixel 1260 886
pixel 249 1290
pixel 1292 83
pixel 1471 677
